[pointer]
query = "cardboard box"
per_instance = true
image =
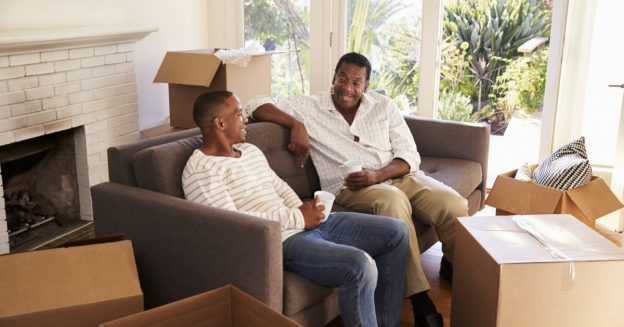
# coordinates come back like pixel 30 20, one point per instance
pixel 224 307
pixel 191 73
pixel 74 286
pixel 587 203
pixel 504 276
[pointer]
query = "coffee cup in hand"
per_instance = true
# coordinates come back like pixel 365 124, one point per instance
pixel 350 166
pixel 327 199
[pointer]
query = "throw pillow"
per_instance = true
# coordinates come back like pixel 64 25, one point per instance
pixel 566 168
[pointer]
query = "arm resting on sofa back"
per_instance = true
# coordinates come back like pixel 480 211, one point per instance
pixel 183 248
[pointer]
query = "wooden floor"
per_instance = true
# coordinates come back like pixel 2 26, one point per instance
pixel 440 291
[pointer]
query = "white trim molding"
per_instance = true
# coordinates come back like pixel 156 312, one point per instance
pixel 429 84
pixel 327 40
pixel 23 41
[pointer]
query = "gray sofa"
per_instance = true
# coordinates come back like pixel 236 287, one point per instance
pixel 183 248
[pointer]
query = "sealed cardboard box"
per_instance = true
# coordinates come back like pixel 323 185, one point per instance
pixel 224 307
pixel 74 286
pixel 540 270
pixel 587 203
pixel 191 73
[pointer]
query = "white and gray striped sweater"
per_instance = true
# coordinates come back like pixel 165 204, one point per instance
pixel 246 184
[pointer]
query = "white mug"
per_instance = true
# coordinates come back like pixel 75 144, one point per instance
pixel 327 199
pixel 350 166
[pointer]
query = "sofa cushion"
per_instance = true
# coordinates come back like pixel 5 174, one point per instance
pixel 272 140
pixel 120 168
pixel 159 168
pixel 300 293
pixel 462 175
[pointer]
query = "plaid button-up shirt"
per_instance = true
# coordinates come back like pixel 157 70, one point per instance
pixel 377 135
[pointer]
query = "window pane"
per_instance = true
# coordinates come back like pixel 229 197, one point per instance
pixel 388 33
pixel 282 26
pixel 493 63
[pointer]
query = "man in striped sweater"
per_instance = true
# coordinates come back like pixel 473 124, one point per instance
pixel 362 255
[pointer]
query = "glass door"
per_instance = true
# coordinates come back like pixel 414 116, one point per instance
pixel 494 55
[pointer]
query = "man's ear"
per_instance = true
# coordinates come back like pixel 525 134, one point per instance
pixel 217 123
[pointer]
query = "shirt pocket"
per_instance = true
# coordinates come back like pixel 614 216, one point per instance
pixel 376 135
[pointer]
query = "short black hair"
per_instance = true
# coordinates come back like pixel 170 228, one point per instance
pixel 357 59
pixel 206 105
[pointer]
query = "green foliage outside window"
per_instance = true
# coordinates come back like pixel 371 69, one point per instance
pixel 522 85
pixel 455 106
pixel 455 75
pixel 263 22
pixel 494 28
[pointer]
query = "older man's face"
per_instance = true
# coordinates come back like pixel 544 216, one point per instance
pixel 349 85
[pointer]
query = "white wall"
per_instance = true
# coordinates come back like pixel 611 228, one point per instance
pixel 182 25
pixel 605 65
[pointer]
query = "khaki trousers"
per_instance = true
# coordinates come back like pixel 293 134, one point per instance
pixel 412 197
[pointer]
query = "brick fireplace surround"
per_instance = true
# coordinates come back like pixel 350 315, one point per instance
pixel 65 78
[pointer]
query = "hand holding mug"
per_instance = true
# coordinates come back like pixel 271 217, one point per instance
pixel 350 166
pixel 327 200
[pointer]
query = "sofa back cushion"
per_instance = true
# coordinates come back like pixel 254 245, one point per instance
pixel 273 139
pixel 120 168
pixel 159 168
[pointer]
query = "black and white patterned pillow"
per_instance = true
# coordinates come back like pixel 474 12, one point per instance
pixel 566 168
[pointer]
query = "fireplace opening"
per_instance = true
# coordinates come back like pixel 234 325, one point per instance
pixel 40 190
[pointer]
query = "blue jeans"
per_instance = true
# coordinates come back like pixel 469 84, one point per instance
pixel 338 254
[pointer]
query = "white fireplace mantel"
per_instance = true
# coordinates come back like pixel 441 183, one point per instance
pixel 28 40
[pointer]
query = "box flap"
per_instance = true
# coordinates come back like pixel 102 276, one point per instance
pixel 595 199
pixel 507 243
pixel 519 197
pixel 196 67
pixel 64 277
pixel 225 306
pixel 248 311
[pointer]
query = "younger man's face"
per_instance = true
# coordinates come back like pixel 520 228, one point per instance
pixel 234 120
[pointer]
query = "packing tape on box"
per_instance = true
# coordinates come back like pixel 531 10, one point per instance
pixel 568 271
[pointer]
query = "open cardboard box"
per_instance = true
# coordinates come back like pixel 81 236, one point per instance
pixel 73 286
pixel 223 307
pixel 505 276
pixel 587 203
pixel 191 73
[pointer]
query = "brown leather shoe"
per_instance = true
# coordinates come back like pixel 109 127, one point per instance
pixel 432 320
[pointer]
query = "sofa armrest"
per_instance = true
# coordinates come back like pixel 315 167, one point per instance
pixel 183 248
pixel 451 139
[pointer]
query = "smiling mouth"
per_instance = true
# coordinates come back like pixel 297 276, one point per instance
pixel 347 97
